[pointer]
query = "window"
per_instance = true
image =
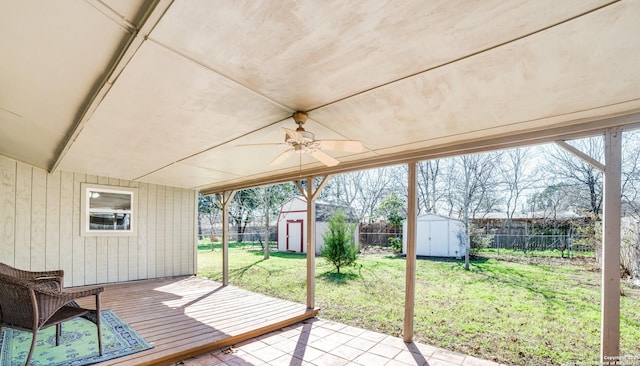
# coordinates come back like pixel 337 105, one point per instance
pixel 108 210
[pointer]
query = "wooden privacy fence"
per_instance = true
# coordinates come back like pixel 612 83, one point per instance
pixel 377 234
pixel 377 239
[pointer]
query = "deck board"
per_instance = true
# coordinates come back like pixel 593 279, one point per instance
pixel 186 316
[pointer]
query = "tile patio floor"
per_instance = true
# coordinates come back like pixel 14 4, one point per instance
pixel 318 342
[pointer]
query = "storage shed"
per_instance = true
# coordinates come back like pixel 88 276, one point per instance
pixel 292 226
pixel 437 236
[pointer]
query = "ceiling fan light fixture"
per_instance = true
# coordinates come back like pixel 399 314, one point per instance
pixel 302 141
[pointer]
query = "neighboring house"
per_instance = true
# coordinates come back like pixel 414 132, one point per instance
pixel 292 227
pixel 437 236
pixel 537 230
pixel 97 229
pixel 539 222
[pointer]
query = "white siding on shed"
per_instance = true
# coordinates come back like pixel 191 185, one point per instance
pixel 437 236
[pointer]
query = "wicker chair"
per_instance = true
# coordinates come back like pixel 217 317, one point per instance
pixel 28 305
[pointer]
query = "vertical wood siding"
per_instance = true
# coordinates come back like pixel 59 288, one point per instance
pixel 40 228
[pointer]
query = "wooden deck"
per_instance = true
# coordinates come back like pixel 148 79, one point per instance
pixel 183 317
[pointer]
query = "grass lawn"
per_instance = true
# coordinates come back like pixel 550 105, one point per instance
pixel 509 311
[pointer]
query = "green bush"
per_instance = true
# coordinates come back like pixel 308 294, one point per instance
pixel 479 240
pixel 339 249
pixel 396 244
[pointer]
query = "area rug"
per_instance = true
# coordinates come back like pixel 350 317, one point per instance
pixel 78 344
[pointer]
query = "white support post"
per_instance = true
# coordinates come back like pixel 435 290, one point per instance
pixel 610 325
pixel 311 246
pixel 610 302
pixel 311 194
pixel 410 285
pixel 225 198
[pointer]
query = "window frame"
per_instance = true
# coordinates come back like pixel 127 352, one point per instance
pixel 86 189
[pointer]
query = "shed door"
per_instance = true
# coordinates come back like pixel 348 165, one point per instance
pixel 294 236
pixel 439 239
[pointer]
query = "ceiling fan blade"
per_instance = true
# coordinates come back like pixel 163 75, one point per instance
pixel 341 145
pixel 324 158
pixel 292 134
pixel 282 157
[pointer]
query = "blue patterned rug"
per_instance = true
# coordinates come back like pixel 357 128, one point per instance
pixel 78 344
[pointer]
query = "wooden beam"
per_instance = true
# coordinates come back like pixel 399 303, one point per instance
pixel 321 186
pixel 136 37
pixel 610 321
pixel 301 189
pixel 410 280
pixel 610 303
pixel 588 159
pixel 225 198
pixel 562 131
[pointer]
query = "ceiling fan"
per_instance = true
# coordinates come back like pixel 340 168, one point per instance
pixel 303 141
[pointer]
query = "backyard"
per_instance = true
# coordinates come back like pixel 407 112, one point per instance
pixel 515 309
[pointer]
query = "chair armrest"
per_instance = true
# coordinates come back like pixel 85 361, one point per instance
pixel 32 275
pixel 50 300
pixel 39 276
pixel 72 294
pixel 23 274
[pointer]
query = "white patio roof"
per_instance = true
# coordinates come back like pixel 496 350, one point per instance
pixel 164 92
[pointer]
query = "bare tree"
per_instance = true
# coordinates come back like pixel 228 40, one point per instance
pixel 429 193
pixel 209 209
pixel 242 210
pixel 448 190
pixel 270 199
pixel 362 190
pixel 631 173
pixel 472 182
pixel 343 189
pixel 577 173
pixel 517 175
pixel 550 201
pixel 375 186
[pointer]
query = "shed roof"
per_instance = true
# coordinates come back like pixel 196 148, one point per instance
pixel 324 209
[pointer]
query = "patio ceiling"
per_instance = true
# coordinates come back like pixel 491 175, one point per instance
pixel 164 92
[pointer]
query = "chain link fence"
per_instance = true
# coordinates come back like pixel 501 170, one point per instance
pixel 565 244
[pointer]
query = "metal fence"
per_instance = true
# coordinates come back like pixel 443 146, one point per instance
pixel 523 243
pixel 538 243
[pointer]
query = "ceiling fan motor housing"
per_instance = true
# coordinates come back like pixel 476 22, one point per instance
pixel 300 118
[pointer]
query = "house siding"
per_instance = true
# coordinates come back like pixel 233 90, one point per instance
pixel 40 228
